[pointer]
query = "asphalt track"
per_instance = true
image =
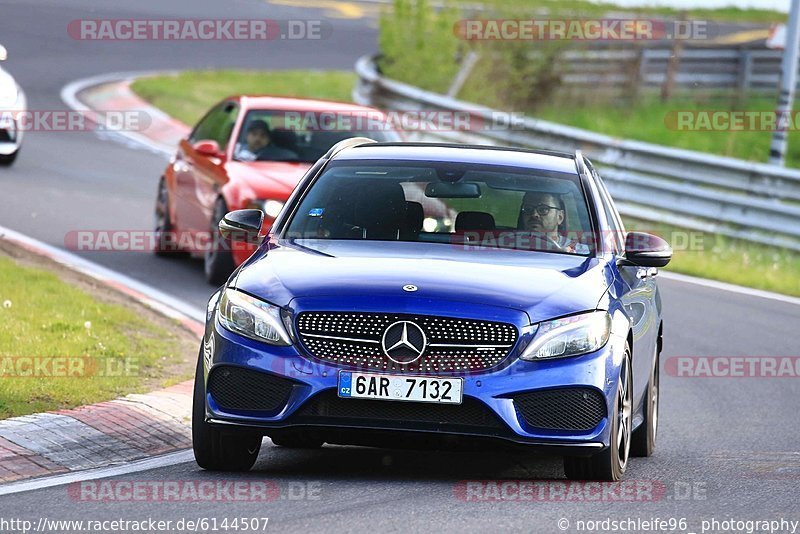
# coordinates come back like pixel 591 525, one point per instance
pixel 727 448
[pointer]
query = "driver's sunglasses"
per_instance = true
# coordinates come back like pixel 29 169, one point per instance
pixel 541 209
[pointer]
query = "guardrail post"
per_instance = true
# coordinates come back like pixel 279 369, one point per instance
pixel 745 70
pixel 673 64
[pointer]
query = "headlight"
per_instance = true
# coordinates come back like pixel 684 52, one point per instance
pixel 570 336
pixel 271 208
pixel 253 318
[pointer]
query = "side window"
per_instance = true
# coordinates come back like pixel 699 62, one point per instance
pixel 617 239
pixel 217 125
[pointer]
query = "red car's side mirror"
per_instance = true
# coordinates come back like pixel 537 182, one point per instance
pixel 207 147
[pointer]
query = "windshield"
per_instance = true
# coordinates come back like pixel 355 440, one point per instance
pixel 304 136
pixel 472 205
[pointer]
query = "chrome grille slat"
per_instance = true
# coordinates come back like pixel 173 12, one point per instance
pixel 454 345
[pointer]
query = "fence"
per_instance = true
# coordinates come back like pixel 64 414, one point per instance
pixel 742 70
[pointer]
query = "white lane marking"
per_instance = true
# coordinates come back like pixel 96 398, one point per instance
pixel 157 299
pixel 732 288
pixel 173 458
pixel 70 91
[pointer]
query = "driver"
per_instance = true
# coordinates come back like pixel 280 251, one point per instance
pixel 543 213
pixel 259 145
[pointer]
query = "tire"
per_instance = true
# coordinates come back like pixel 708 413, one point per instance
pixel 297 440
pixel 218 258
pixel 6 160
pixel 610 464
pixel 643 440
pixel 163 225
pixel 213 449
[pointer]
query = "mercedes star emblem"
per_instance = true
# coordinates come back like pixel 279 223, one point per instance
pixel 409 287
pixel 404 342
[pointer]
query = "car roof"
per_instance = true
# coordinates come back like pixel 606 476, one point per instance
pixel 296 104
pixel 515 157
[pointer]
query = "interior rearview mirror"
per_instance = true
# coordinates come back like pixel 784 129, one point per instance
pixel 452 190
pixel 242 225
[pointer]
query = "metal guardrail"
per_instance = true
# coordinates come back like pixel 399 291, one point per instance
pixel 740 69
pixel 741 199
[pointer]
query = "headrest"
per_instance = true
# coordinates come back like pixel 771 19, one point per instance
pixel 415 215
pixel 380 208
pixel 474 220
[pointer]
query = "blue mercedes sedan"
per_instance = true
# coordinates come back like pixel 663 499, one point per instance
pixel 431 293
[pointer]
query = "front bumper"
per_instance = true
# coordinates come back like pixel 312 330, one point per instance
pixel 492 405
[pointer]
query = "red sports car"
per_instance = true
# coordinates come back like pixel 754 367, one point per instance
pixel 248 152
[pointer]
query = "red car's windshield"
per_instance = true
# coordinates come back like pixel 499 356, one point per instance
pixel 305 136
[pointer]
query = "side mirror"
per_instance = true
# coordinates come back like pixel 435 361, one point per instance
pixel 3 53
pixel 207 147
pixel 242 225
pixel 646 250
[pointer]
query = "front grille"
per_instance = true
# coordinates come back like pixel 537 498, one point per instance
pixel 328 407
pixel 453 345
pixel 236 388
pixel 562 409
pixel 5 136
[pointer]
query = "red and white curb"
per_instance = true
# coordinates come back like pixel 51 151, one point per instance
pixel 112 92
pixel 120 431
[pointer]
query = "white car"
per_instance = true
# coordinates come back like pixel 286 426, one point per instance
pixel 12 102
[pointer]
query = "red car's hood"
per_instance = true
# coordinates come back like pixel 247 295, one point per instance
pixel 268 178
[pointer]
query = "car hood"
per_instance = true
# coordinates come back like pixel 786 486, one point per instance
pixel 266 178
pixel 543 285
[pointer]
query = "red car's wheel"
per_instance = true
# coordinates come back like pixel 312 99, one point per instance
pixel 166 243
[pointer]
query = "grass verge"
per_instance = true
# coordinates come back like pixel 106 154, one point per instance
pixel 189 95
pixel 653 121
pixel 62 347
pixel 718 257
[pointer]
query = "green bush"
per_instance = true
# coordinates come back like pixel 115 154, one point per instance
pixel 418 44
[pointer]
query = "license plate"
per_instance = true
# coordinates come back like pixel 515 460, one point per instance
pixel 400 388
